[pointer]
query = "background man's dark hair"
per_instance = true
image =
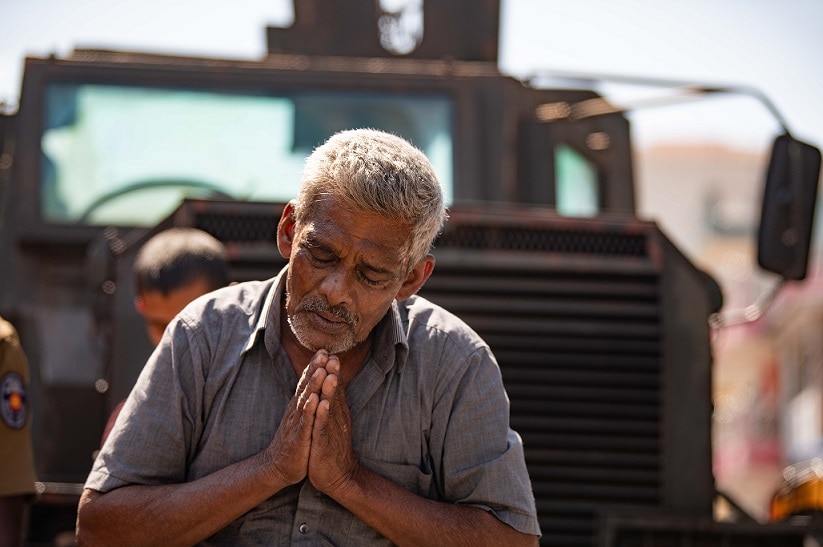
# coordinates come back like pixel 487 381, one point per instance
pixel 177 256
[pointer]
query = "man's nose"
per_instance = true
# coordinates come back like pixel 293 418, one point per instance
pixel 336 287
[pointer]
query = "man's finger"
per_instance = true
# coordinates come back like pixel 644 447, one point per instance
pixel 333 364
pixel 318 362
pixel 328 389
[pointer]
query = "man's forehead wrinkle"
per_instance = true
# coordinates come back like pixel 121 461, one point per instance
pixel 316 236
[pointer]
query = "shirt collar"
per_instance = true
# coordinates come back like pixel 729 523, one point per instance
pixel 391 346
pixel 269 315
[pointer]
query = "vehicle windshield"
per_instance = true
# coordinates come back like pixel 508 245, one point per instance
pixel 127 155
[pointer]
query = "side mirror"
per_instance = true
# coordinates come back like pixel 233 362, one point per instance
pixel 788 206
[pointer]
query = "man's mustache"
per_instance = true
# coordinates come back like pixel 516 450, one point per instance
pixel 320 305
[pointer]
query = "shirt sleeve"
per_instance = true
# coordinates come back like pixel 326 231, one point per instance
pixel 482 462
pixel 17 473
pixel 151 439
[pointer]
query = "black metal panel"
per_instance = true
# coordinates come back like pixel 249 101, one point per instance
pixel 451 29
pixel 580 357
pixel 660 529
pixel 575 313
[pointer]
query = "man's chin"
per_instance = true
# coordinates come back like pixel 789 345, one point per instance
pixel 333 347
pixel 313 342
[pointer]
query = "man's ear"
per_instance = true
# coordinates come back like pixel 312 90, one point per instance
pixel 415 279
pixel 285 231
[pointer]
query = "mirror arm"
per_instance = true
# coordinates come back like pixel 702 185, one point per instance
pixel 750 313
pixel 680 91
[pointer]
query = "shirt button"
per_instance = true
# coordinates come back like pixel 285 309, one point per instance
pixel 304 528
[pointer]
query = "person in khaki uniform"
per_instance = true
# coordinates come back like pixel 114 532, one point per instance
pixel 16 462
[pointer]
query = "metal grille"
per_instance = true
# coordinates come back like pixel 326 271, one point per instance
pixel 529 239
pixel 248 229
pixel 580 358
pixel 240 228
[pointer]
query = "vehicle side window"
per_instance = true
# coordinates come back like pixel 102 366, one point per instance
pixel 578 185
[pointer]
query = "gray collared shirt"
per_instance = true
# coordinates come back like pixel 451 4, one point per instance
pixel 428 409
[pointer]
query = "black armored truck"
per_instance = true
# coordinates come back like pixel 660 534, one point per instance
pixel 599 322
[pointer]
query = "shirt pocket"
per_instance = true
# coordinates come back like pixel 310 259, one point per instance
pixel 410 477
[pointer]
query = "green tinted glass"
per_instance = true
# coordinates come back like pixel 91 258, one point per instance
pixel 578 185
pixel 127 155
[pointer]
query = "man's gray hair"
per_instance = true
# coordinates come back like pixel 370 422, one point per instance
pixel 374 171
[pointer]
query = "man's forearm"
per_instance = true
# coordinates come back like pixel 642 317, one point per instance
pixel 175 514
pixel 186 513
pixel 408 519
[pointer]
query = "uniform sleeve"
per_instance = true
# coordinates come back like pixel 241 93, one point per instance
pixel 482 461
pixel 151 439
pixel 17 474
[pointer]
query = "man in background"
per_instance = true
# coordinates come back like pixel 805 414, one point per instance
pixel 17 474
pixel 171 269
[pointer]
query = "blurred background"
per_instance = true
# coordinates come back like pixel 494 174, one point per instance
pixel 699 165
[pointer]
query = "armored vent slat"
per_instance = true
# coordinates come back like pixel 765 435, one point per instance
pixel 624 347
pixel 587 409
pixel 581 327
pixel 588 376
pixel 595 474
pixel 563 307
pixel 506 283
pixel 587 490
pixel 622 442
pixel 581 362
pixel 577 425
pixel 583 458
pixel 583 393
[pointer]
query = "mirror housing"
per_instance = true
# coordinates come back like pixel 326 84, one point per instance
pixel 787 213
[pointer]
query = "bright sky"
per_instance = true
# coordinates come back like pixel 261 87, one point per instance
pixel 773 46
pixel 776 47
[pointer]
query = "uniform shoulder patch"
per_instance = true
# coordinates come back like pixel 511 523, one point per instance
pixel 13 400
